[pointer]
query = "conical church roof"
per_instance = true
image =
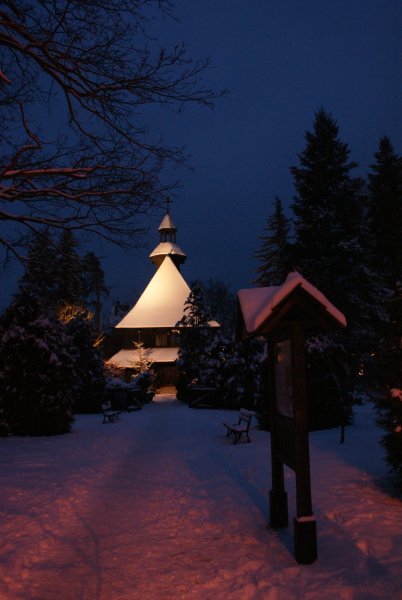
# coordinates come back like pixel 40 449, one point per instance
pixel 162 302
pixel 167 246
pixel 167 223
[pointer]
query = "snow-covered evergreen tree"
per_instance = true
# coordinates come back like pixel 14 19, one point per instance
pixel 37 376
pixel 213 358
pixel 194 333
pixel 273 254
pixel 331 250
pixel 242 374
pixel 90 384
pixel 209 357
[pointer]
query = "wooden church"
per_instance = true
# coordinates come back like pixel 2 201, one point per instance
pixel 153 318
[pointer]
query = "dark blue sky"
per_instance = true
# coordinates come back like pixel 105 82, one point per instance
pixel 282 61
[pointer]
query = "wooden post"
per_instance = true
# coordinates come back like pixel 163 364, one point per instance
pixel 305 536
pixel 278 498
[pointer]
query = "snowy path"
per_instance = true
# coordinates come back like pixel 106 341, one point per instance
pixel 162 506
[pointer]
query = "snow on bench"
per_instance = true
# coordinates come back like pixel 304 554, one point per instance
pixel 241 427
pixel 109 415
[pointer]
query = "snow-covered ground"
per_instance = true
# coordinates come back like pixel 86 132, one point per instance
pixel 161 505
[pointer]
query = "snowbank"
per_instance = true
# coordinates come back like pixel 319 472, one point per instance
pixel 161 505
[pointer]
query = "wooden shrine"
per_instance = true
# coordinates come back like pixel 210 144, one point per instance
pixel 285 315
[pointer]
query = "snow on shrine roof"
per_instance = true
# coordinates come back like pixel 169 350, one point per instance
pixel 167 248
pixel 162 302
pixel 257 304
pixel 125 358
pixel 167 223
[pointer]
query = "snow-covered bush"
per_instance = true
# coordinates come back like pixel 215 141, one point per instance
pixel 242 374
pixel 212 359
pixel 37 377
pixel 389 368
pixel 391 419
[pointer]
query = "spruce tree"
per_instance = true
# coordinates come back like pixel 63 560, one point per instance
pixel 385 212
pixel 330 250
pixel 328 211
pixel 69 275
pixel 273 254
pixel 39 278
pixel 94 288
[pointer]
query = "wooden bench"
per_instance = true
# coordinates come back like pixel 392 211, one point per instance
pixel 109 415
pixel 241 427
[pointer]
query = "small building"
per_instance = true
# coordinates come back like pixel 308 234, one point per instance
pixel 153 318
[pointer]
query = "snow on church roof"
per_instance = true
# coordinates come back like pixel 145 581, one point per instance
pixel 167 248
pixel 257 304
pixel 167 223
pixel 162 302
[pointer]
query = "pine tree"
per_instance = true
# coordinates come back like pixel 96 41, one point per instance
pixel 330 250
pixel 385 212
pixel 273 255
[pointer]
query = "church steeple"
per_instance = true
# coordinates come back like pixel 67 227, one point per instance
pixel 167 246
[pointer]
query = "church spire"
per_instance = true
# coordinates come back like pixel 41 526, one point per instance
pixel 167 246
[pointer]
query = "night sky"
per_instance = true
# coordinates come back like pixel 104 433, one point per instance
pixel 282 61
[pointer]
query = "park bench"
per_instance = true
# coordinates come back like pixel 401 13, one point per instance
pixel 109 415
pixel 241 427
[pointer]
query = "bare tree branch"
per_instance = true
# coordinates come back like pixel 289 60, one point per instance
pixel 86 69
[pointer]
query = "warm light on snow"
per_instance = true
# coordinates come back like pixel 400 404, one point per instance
pixel 161 505
pixel 125 358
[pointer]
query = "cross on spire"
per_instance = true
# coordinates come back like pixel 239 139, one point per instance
pixel 168 201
